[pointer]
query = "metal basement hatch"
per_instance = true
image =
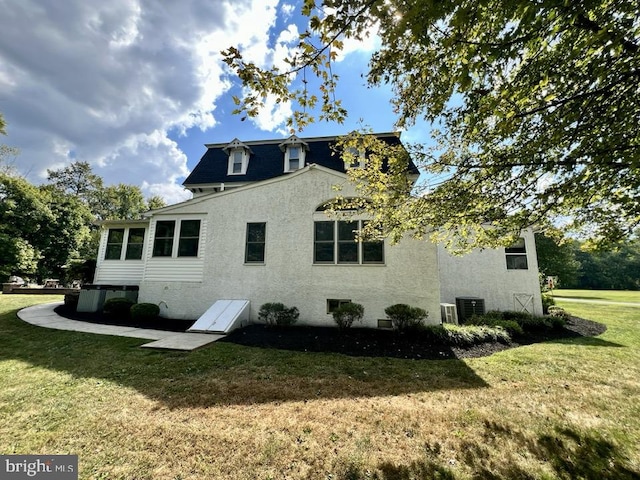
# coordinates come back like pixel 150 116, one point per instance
pixel 222 317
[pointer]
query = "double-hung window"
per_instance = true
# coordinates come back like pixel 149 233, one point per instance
pixel 516 255
pixel 115 240
pixel 127 240
pixel 255 245
pixel 189 238
pixel 176 239
pixel 135 243
pixel 336 242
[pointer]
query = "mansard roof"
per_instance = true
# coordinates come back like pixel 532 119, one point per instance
pixel 266 159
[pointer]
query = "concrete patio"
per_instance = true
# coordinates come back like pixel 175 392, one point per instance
pixel 44 316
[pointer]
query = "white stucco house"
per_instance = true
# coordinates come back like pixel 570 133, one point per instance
pixel 256 230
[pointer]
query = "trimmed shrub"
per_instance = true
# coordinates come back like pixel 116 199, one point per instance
pixel 144 312
pixel 117 307
pixel 348 313
pixel 278 314
pixel 404 317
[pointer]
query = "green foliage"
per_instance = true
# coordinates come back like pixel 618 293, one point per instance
pixel 557 258
pixel 118 307
pixel 495 319
pixel 547 301
pixel 277 314
pixel 46 229
pixel 347 314
pixel 536 104
pixel 466 335
pixel 518 322
pixel 144 312
pixel 404 317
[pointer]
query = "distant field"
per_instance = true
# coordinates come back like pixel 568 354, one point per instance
pixel 611 295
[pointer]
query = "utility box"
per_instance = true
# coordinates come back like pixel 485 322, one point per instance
pixel 91 298
pixel 125 291
pixel 448 313
pixel 468 307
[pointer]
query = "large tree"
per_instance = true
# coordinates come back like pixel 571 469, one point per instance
pixel 537 106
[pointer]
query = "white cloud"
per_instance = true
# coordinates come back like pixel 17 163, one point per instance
pixel 287 10
pixel 105 82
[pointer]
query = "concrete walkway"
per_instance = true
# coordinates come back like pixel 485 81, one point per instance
pixel 44 316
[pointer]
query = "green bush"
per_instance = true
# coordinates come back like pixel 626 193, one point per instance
pixel 494 319
pixel 144 312
pixel 547 301
pixel 526 321
pixel 348 313
pixel 117 307
pixel 404 317
pixel 466 335
pixel 278 314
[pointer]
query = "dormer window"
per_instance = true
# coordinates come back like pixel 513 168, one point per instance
pixel 294 153
pixel 237 162
pixel 355 158
pixel 238 157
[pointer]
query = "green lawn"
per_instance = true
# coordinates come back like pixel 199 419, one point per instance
pixel 564 409
pixel 607 295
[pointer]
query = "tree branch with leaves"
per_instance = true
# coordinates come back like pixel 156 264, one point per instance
pixel 537 106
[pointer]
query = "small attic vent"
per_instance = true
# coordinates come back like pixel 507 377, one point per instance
pixel 469 306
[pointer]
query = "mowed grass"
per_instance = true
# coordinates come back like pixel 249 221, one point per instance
pixel 606 295
pixel 564 409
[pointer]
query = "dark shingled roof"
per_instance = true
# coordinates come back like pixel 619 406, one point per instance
pixel 267 160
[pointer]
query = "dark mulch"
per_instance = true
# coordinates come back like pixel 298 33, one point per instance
pixel 356 341
pixel 384 343
pixel 168 324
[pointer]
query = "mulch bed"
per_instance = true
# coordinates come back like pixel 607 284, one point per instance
pixel 356 341
pixel 168 324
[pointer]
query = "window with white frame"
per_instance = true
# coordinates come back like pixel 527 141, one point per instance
pixel 115 240
pixel 185 244
pixel 294 158
pixel 516 255
pixel 135 244
pixel 238 161
pixel 127 240
pixel 336 242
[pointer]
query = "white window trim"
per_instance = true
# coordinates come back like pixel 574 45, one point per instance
pixel 176 239
pixel 336 262
pixel 245 161
pixel 125 244
pixel 301 150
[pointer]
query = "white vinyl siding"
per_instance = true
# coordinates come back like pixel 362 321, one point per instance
pixel 176 268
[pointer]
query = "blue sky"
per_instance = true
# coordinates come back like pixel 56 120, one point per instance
pixel 136 88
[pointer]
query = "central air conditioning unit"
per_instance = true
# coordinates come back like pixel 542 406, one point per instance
pixel 448 313
pixel 468 307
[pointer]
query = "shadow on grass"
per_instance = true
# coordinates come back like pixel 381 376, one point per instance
pixel 565 453
pixel 225 373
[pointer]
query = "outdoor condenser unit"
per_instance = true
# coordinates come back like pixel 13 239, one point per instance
pixel 469 306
